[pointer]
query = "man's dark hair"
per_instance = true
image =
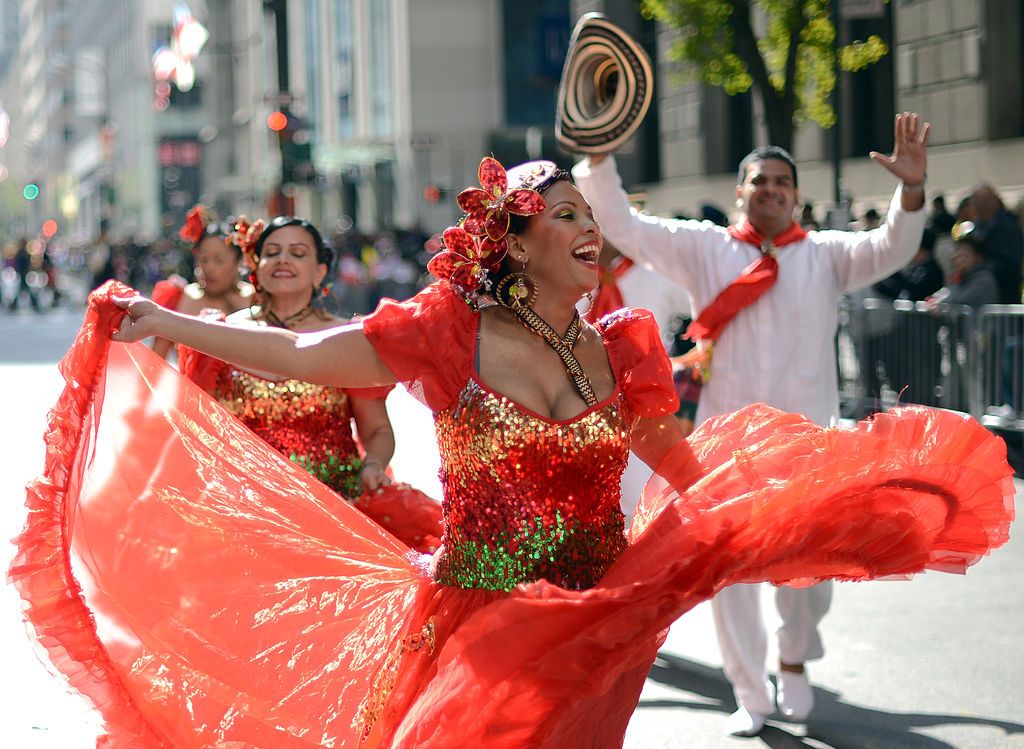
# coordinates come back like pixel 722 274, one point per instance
pixel 762 154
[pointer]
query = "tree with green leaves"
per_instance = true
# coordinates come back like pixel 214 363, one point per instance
pixel 791 65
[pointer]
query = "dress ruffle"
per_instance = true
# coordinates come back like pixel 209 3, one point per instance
pixel 637 356
pixel 168 293
pixel 426 342
pixel 406 513
pixel 203 591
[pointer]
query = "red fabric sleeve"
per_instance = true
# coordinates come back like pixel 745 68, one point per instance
pixel 203 370
pixel 639 361
pixel 168 293
pixel 427 342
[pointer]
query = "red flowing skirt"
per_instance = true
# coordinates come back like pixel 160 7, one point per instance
pixel 203 591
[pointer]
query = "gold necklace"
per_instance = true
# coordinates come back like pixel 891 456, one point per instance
pixel 275 321
pixel 562 345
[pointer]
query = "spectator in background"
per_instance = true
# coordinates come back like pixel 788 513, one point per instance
pixel 973 282
pixel 714 214
pixel 1002 243
pixel 807 219
pixel 871 220
pixel 965 211
pixel 101 257
pixel 23 266
pixel 921 277
pixel 941 221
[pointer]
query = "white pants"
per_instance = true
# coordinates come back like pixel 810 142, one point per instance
pixel 743 638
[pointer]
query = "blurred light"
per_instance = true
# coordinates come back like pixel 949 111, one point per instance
pixel 49 228
pixel 185 76
pixel 432 193
pixel 5 127
pixel 69 205
pixel 31 191
pixel 163 89
pixel 190 36
pixel 160 104
pixel 3 173
pixel 164 63
pixel 277 121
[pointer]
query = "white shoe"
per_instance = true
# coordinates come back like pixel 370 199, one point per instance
pixel 795 696
pixel 744 723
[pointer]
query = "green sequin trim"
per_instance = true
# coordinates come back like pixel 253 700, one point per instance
pixel 564 553
pixel 340 475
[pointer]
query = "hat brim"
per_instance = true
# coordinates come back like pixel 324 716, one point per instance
pixel 606 87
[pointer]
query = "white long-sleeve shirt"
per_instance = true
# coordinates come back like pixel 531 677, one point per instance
pixel 779 350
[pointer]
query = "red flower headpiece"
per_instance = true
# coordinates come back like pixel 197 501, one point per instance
pixel 466 260
pixel 489 207
pixel 476 247
pixel 245 236
pixel 196 221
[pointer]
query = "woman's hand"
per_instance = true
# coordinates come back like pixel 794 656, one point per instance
pixel 142 320
pixel 373 476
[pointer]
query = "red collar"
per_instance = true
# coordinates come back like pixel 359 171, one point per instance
pixel 745 232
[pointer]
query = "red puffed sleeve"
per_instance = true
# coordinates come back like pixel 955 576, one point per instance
pixel 168 293
pixel 639 361
pixel 427 342
pixel 205 371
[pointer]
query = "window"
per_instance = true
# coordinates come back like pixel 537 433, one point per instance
pixel 343 72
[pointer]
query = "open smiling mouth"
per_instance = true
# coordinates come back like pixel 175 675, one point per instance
pixel 587 254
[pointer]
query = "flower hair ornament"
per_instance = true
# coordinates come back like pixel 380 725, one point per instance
pixel 245 235
pixel 196 221
pixel 475 248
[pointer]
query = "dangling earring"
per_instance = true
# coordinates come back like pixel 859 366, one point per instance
pixel 516 290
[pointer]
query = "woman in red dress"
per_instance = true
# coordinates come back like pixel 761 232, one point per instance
pixel 311 424
pixel 217 286
pixel 217 598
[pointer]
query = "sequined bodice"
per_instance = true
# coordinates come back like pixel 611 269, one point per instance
pixel 526 498
pixel 310 424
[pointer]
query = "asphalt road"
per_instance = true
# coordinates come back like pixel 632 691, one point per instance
pixel 932 663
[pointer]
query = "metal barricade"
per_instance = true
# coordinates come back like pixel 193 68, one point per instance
pixel 1000 358
pixel 901 352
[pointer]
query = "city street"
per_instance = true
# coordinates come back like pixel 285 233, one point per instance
pixel 933 663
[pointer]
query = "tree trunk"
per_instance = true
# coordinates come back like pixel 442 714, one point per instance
pixel 778 115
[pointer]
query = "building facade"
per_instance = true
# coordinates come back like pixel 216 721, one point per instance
pixel 392 103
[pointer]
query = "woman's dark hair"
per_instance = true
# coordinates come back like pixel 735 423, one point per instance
pixel 324 253
pixel 219 230
pixel 517 224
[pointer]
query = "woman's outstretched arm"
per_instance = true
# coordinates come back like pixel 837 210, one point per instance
pixel 341 357
pixel 659 442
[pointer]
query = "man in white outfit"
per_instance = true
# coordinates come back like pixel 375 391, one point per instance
pixel 638 286
pixel 777 350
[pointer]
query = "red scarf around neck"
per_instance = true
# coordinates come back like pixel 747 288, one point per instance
pixel 748 287
pixel 608 297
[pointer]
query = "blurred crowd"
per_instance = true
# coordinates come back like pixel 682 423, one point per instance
pixel 40 274
pixel 970 257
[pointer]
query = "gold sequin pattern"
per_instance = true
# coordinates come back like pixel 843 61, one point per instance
pixel 309 424
pixel 528 498
pixel 375 702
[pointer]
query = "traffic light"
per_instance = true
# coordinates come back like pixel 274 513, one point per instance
pixel 432 194
pixel 49 228
pixel 277 121
pixel 296 150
